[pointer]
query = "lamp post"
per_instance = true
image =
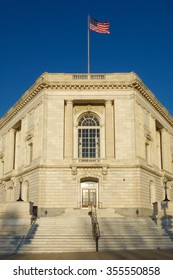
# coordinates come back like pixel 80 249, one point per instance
pixel 165 180
pixel 20 190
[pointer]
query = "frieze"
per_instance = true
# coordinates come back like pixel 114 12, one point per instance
pixel 88 170
pixel 88 108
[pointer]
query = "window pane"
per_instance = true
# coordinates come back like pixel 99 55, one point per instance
pixel 85 198
pixel 89 121
pixel 89 138
pixel 92 197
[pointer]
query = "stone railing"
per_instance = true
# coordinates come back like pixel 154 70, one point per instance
pixel 95 225
pixel 89 77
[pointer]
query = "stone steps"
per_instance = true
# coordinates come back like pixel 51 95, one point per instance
pixel 68 233
pixel 131 233
pixel 108 213
pixel 58 234
pixel 49 244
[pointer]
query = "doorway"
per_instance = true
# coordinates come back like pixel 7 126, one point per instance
pixel 89 193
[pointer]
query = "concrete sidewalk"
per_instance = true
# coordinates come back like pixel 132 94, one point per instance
pixel 111 255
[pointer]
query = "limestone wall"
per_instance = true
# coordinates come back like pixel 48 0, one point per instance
pixel 39 142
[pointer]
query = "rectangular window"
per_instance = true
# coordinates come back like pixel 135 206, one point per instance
pixel 89 143
pixel 88 138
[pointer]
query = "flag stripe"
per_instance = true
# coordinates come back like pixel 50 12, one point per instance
pixel 98 26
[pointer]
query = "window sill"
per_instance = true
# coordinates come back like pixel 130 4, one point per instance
pixel 89 160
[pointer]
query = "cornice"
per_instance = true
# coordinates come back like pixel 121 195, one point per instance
pixel 21 103
pixel 88 86
pixel 66 82
pixel 149 96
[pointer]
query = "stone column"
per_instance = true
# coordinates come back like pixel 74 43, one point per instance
pixel 9 151
pixel 165 150
pixel 109 129
pixel 69 129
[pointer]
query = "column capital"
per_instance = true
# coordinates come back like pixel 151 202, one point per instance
pixel 11 130
pixel 69 102
pixel 164 130
pixel 108 102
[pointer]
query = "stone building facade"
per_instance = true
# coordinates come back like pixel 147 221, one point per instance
pixel 76 139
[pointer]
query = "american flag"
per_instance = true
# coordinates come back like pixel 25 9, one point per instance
pixel 98 26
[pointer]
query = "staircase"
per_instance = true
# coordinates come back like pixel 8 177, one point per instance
pixel 50 234
pixel 133 233
pixel 72 232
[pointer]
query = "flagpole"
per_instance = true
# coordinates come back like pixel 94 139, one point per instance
pixel 88 44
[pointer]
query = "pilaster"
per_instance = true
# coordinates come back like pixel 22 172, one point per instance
pixel 9 148
pixel 69 129
pixel 166 153
pixel 109 129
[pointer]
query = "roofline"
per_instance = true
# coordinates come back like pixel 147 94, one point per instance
pixel 64 81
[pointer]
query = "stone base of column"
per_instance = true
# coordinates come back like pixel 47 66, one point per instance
pixel 16 213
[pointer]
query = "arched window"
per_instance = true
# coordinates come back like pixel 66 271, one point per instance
pixel 88 138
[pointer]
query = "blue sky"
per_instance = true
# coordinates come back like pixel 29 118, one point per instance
pixel 51 36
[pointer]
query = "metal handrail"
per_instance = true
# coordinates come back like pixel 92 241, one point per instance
pixel 95 225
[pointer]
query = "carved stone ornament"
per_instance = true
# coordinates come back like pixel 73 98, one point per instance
pixel 148 137
pixel 2 183
pixel 10 184
pixel 28 137
pixel 88 108
pixel 1 155
pixel 74 170
pixel 104 170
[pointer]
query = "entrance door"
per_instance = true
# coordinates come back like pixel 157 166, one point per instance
pixel 89 192
pixel 88 197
